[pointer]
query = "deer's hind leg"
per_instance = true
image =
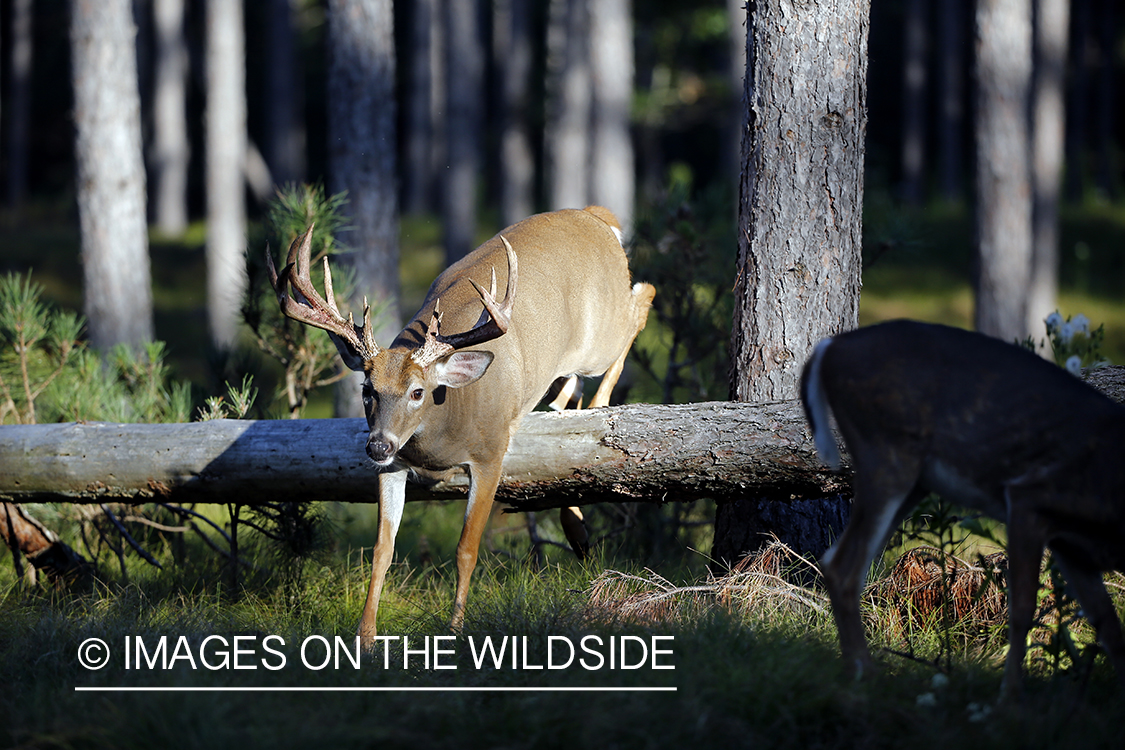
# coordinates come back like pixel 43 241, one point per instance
pixel 882 496
pixel 571 519
pixel 638 312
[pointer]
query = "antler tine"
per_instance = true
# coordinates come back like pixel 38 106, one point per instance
pixel 329 294
pixel 307 306
pixel 501 314
pixel 494 320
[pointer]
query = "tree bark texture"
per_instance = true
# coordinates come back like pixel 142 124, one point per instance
pixel 111 176
pixel 361 148
pixel 226 158
pixel 800 231
pixel 1003 168
pixel 618 454
pixel 801 200
pixel 637 452
pixel 731 154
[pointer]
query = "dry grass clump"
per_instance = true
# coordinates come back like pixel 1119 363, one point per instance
pixel 761 583
pixel 926 586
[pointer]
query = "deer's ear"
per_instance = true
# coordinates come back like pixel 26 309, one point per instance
pixel 353 360
pixel 460 368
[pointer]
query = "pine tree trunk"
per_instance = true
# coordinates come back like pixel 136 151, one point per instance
pixel 170 150
pixel 417 173
pixel 1108 161
pixel 1078 101
pixel 731 154
pixel 464 74
pixel 226 158
pixel 612 180
pixel 285 130
pixel 362 161
pixel 951 51
pixel 568 124
pixel 111 176
pixel 1003 170
pixel 512 42
pixel 798 275
pixel 19 103
pixel 914 115
pixel 1052 24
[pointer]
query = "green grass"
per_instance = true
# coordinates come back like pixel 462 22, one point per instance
pixel 751 669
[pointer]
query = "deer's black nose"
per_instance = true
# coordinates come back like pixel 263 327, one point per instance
pixel 381 451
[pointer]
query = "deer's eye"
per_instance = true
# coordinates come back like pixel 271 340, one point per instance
pixel 369 397
pixel 417 394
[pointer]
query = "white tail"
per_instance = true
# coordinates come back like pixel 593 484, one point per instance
pixel 432 405
pixel 926 408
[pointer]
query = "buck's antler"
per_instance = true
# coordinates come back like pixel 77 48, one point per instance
pixel 307 306
pixel 494 319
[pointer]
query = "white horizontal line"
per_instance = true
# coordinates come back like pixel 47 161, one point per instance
pixel 252 689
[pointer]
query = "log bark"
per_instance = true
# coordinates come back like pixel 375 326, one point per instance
pixel 637 452
pixel 628 453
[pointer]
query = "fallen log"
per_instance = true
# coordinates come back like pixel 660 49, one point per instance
pixel 637 452
pixel 625 453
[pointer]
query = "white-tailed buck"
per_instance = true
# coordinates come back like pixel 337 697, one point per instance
pixel 989 425
pixel 437 401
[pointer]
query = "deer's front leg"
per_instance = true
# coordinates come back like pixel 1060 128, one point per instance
pixel 392 498
pixel 1025 552
pixel 485 478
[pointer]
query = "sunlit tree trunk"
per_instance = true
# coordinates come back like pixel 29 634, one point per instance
pixel 612 180
pixel 736 75
pixel 800 210
pixel 1003 168
pixel 1052 23
pixel 568 122
pixel 226 156
pixel 110 173
pixel 170 149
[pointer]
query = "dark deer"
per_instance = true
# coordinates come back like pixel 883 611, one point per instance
pixel 988 425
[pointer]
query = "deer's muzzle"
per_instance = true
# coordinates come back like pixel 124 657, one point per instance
pixel 381 450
